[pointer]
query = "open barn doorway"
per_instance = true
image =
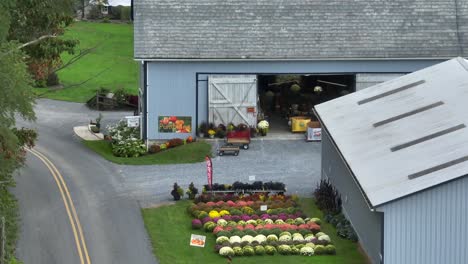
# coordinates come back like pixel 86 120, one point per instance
pixel 284 99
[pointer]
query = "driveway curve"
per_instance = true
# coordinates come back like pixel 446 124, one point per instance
pixel 108 196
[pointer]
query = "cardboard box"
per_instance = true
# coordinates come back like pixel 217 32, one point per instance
pixel 314 131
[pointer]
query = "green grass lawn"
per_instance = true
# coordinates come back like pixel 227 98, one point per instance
pixel 114 54
pixel 190 153
pixel 169 228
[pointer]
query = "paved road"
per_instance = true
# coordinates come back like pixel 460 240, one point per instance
pixel 107 196
pixel 111 220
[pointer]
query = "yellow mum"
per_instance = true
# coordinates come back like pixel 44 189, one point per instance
pixel 214 214
pixel 224 212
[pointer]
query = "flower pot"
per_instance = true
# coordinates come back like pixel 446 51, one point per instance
pixel 211 136
pixel 202 135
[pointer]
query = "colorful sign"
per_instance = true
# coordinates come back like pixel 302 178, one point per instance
pixel 314 134
pixel 197 240
pixel 175 124
pixel 209 171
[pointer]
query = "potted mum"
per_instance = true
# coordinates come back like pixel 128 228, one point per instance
pixel 192 191
pixel 263 127
pixel 211 133
pixel 177 192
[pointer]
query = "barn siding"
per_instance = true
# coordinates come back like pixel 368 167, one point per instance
pixel 172 85
pixel 430 227
pixel 368 225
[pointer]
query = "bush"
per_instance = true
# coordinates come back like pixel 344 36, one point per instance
pixel 121 131
pixel 330 250
pixel 284 249
pixel 175 142
pixel 177 192
pixel 226 251
pixel 319 250
pixel 128 148
pixel 196 224
pixel 222 239
pixel 192 191
pixel 307 251
pixel 259 250
pixel 270 250
pixel 155 148
pixel 327 197
pixel 238 251
pixel 209 226
pixel 248 251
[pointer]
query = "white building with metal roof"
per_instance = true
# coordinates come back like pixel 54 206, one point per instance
pixel 398 154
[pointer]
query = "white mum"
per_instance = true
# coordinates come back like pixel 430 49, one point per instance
pixel 247 238
pixel 324 238
pixel 221 222
pixel 307 251
pixel 260 238
pixel 226 251
pixel 222 239
pixel 234 239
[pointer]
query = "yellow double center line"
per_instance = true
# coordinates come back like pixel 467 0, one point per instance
pixel 70 208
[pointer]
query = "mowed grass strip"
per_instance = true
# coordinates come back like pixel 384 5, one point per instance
pixel 169 228
pixel 190 153
pixel 112 61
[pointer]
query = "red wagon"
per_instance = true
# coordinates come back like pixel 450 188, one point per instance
pixel 239 137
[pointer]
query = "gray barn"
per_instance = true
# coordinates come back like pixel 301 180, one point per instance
pixel 397 152
pixel 184 46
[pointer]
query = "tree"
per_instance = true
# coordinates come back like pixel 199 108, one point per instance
pixel 16 100
pixel 33 19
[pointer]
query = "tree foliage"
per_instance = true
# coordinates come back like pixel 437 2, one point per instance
pixel 32 19
pixel 16 101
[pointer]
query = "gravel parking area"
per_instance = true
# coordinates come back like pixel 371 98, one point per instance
pixel 294 162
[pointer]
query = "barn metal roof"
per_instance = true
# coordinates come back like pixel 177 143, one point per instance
pixel 300 29
pixel 405 135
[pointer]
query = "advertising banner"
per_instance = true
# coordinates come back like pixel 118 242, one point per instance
pixel 175 124
pixel 209 171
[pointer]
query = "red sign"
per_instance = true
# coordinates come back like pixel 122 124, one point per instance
pixel 209 171
pixel 250 109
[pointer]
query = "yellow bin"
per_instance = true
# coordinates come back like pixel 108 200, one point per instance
pixel 299 123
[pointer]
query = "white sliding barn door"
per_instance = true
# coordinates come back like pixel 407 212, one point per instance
pixel 232 98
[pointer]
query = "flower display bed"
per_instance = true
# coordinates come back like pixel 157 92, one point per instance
pixel 242 228
pixel 169 228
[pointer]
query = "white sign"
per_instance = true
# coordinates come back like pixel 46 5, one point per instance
pixel 263 207
pixel 133 121
pixel 314 134
pixel 197 240
pixel 252 178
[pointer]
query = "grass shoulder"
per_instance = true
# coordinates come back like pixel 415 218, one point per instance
pixel 189 153
pixel 109 65
pixel 169 228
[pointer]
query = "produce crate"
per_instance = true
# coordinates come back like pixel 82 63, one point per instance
pixel 299 123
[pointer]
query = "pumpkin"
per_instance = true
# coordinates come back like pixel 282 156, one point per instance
pixel 190 139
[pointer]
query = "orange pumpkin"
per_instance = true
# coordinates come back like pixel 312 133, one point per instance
pixel 190 139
